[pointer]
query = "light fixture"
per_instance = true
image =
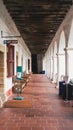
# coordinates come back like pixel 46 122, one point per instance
pixel 51 30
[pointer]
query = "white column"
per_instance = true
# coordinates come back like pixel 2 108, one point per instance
pixel 59 73
pixel 67 62
pixel 51 67
pixel 54 69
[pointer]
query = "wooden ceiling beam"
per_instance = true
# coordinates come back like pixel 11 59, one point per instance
pixel 37 20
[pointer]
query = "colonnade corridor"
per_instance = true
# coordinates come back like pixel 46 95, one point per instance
pixel 47 112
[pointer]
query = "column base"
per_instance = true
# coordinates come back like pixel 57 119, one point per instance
pixel 18 98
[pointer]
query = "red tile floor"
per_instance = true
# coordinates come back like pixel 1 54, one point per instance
pixel 48 112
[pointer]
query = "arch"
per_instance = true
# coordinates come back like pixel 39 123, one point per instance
pixel 51 62
pixel 55 48
pixel 62 42
pixel 44 63
pixel 55 63
pixel 70 40
pixel 67 29
pixel 61 55
pixel 48 62
pixel 70 53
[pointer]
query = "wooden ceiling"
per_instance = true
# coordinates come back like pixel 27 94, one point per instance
pixel 38 20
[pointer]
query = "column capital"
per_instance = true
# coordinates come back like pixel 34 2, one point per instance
pixel 60 54
pixel 66 49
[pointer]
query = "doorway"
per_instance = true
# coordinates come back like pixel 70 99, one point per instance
pixel 34 64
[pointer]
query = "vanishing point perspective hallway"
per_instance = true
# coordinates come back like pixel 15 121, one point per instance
pixel 48 110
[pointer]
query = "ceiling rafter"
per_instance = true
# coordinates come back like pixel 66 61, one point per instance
pixel 37 20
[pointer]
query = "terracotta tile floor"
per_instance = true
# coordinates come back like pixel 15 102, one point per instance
pixel 49 111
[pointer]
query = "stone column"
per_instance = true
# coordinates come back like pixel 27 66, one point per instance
pixel 58 59
pixel 66 65
pixel 54 76
pixel 57 68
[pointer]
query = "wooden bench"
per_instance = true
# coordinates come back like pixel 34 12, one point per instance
pixel 23 83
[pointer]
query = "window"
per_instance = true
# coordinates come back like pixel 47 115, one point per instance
pixel 10 60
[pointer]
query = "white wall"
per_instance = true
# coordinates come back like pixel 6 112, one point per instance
pixel 7 26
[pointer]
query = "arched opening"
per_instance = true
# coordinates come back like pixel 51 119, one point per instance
pixel 61 55
pixel 55 62
pixel 70 53
pixel 51 62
